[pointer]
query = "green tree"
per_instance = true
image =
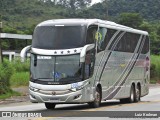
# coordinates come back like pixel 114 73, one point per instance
pixel 158 30
pixel 105 8
pixel 74 4
pixel 133 20
pixel 146 27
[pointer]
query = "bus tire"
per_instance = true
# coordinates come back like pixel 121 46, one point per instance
pixel 132 95
pixel 137 94
pixel 131 98
pixel 97 101
pixel 50 105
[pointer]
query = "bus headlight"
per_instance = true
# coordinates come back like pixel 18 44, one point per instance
pixel 76 86
pixel 33 89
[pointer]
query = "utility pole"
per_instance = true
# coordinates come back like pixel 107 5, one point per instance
pixel 1 56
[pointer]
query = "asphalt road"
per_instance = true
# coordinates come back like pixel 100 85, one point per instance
pixel 149 105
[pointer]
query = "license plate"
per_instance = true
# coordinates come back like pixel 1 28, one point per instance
pixel 54 100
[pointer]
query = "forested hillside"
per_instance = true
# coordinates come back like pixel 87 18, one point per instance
pixel 21 16
pixel 149 9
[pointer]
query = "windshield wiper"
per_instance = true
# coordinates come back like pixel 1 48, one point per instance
pixel 43 79
pixel 70 79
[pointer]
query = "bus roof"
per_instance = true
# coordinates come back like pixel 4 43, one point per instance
pixel 88 22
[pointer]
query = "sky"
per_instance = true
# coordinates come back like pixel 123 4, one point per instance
pixel 95 1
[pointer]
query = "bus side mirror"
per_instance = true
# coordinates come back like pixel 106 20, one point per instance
pixel 84 51
pixel 23 53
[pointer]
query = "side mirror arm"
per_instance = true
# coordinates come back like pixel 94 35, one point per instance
pixel 84 51
pixel 23 53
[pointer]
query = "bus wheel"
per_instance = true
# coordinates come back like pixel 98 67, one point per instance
pixel 50 105
pixel 97 100
pixel 131 99
pixel 132 95
pixel 137 94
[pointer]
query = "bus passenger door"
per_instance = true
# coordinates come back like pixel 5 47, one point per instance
pixel 89 64
pixel 88 69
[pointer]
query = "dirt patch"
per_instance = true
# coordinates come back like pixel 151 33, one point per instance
pixel 16 99
pixel 24 90
pixel 158 81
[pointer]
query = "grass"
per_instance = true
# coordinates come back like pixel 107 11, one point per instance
pixel 19 66
pixel 9 94
pixel 153 81
pixel 13 74
pixel 155 68
pixel 19 79
pixel 21 75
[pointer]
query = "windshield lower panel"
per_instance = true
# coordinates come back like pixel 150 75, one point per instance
pixel 55 69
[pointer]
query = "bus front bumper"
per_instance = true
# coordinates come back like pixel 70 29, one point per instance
pixel 56 96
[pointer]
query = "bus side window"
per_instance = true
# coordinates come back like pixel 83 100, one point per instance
pixel 110 34
pixel 128 43
pixel 131 41
pixel 133 38
pixel 121 44
pixel 102 41
pixel 91 34
pixel 106 35
pixel 146 46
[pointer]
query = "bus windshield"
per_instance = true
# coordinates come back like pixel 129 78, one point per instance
pixel 59 37
pixel 56 68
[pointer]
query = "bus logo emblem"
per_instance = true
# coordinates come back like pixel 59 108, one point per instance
pixel 53 93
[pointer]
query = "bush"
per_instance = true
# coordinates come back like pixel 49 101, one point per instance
pixel 19 79
pixel 155 68
pixel 21 75
pixel 13 74
pixel 6 71
pixel 21 67
pixel 9 94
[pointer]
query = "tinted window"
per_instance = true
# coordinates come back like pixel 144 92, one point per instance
pixel 102 39
pixel 91 32
pixel 106 35
pixel 114 40
pixel 121 44
pixel 110 33
pixel 146 46
pixel 128 42
pixel 131 41
pixel 59 37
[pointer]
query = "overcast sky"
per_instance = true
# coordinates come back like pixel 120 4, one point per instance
pixel 95 1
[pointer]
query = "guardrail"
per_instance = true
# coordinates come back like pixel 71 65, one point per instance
pixel 15 36
pixel 12 54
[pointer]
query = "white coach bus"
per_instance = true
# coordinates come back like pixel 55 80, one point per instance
pixel 87 61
